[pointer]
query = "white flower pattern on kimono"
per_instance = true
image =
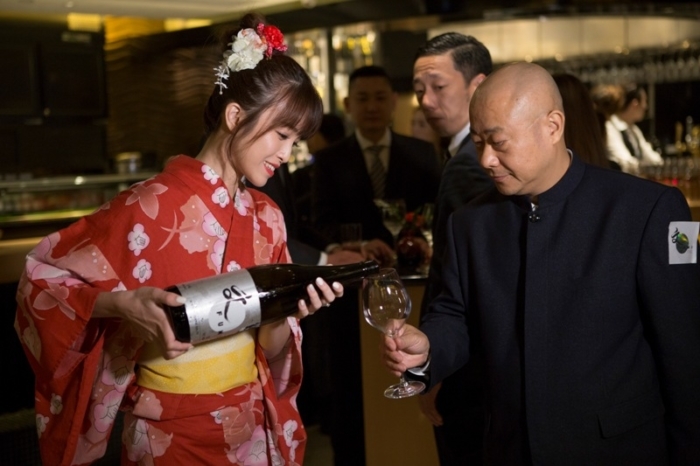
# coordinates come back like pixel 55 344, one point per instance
pixel 209 174
pixel 142 271
pixel 220 197
pixel 233 265
pixel 41 422
pixel 289 428
pixel 138 239
pixel 56 404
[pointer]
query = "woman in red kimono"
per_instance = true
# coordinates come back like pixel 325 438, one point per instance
pixel 89 312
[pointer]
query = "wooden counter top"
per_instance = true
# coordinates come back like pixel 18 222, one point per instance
pixel 396 432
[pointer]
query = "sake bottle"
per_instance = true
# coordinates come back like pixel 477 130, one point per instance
pixel 235 301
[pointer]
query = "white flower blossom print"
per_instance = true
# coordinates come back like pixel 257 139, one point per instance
pixel 217 416
pixel 289 428
pixel 233 265
pixel 210 174
pixel 220 196
pixel 56 404
pixel 142 271
pixel 138 239
pixel 41 422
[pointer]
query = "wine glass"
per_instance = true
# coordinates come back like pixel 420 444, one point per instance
pixel 386 306
pixel 393 214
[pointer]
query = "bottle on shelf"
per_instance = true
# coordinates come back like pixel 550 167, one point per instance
pixel 232 302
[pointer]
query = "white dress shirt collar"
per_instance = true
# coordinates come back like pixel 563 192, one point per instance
pixel 618 123
pixel 457 139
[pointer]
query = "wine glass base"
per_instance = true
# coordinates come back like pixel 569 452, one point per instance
pixel 404 390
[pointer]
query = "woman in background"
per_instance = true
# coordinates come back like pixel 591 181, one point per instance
pixel 582 131
pixel 89 302
pixel 626 145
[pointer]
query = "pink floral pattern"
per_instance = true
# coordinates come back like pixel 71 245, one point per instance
pixel 147 196
pixel 117 372
pixel 88 366
pixel 106 412
pixel 254 451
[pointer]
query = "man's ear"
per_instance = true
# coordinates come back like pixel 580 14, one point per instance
pixel 555 125
pixel 476 80
pixel 346 104
pixel 233 115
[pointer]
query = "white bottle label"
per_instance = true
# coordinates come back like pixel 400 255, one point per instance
pixel 225 304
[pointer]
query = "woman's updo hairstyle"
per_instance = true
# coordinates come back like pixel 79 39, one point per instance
pixel 277 82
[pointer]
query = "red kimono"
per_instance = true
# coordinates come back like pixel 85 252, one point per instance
pixel 175 227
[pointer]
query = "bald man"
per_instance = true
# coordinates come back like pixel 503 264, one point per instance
pixel 581 288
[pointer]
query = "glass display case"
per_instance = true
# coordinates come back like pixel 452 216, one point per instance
pixel 35 207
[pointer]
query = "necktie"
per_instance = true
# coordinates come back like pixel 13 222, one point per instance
pixel 377 173
pixel 632 143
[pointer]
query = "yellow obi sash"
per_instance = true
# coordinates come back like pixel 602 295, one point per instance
pixel 210 367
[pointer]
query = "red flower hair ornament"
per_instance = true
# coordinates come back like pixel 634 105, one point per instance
pixel 248 47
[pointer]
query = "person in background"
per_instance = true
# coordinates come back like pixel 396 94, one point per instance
pixel 344 192
pixel 332 130
pixel 582 132
pixel 446 71
pixel 580 286
pixel 89 302
pixel 626 144
pixel 421 129
pixel 373 163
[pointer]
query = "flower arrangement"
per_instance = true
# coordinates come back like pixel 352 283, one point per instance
pixel 413 225
pixel 415 219
pixel 248 47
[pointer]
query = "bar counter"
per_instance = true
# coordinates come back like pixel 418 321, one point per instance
pixel 396 432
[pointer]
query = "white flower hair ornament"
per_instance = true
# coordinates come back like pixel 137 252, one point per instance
pixel 249 46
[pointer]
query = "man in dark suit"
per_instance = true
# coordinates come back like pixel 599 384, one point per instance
pixel 446 72
pixel 578 284
pixel 402 168
pixel 344 191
